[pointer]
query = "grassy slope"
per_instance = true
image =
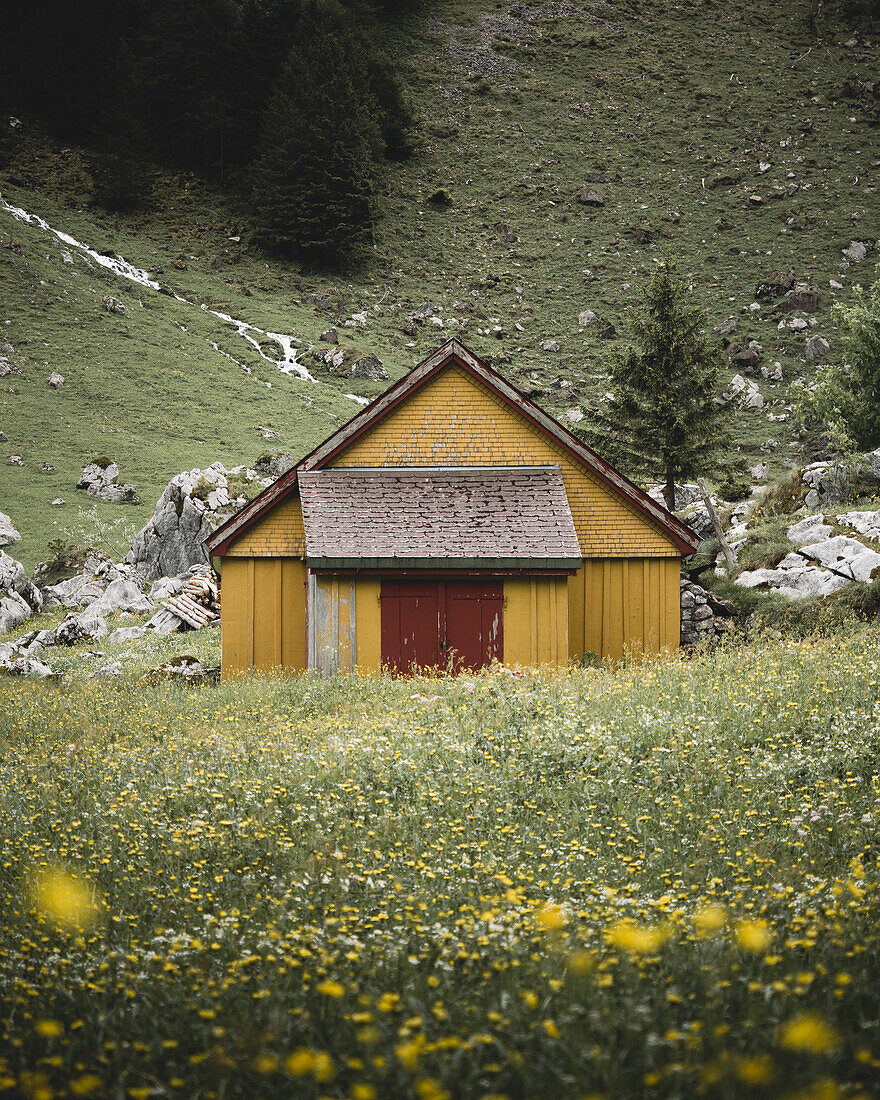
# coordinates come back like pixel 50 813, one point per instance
pixel 516 110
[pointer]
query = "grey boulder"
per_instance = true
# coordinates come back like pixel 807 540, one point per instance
pixel 19 597
pixel 8 533
pixel 102 482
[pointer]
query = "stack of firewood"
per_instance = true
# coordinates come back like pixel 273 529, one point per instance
pixel 198 602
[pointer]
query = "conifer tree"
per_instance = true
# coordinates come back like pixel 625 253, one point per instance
pixel 314 179
pixel 663 417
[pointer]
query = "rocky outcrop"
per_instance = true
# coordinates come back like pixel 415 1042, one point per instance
pixel 832 483
pixel 351 362
pixel 703 615
pixel 822 566
pixel 100 479
pixel 193 506
pixel 19 597
pixel 115 586
pixel 8 533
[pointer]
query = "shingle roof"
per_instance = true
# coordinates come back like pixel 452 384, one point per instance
pixel 509 517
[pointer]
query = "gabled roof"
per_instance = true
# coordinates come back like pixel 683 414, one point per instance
pixel 452 352
pixel 422 517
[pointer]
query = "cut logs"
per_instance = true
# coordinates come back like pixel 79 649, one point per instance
pixel 198 602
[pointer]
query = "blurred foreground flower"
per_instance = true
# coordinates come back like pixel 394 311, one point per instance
pixel 637 939
pixel 753 935
pixel 710 919
pixel 808 1032
pixel 63 899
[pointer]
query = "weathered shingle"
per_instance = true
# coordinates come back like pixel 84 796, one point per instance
pixel 515 515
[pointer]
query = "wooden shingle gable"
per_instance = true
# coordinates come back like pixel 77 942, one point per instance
pixel 453 353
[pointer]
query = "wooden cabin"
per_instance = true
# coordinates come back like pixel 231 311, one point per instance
pixel 451 523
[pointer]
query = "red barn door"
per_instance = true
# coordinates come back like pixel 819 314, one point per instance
pixel 437 623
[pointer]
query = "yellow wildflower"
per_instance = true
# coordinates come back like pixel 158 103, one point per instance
pixel 808 1032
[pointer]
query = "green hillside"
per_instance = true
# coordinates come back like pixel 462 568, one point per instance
pixel 669 111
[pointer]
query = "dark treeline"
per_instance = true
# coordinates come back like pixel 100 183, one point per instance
pixel 291 101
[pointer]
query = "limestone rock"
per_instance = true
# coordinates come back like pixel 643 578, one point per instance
pixel 19 597
pixel 808 529
pixel 55 380
pixel 172 540
pixel 817 348
pixel 844 554
pixel 856 251
pixel 28 667
pixel 587 317
pixel 101 480
pixel 866 523
pixel 8 533
pixel 125 634
pixel 121 594
pixel 113 668
pixel 98 573
pixel 113 305
pixel 685 495
pixel 368 366
pixel 274 465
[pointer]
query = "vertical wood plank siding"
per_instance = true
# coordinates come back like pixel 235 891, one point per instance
pixel 264 615
pixel 535 621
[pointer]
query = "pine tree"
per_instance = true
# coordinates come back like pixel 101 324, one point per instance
pixel 860 328
pixel 314 180
pixel 663 417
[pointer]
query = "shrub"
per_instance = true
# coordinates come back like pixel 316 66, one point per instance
pixel 734 488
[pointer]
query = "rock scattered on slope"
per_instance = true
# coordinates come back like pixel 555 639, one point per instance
pixel 89 584
pixel 19 596
pixel 100 479
pixel 55 380
pixel 590 197
pixel 8 533
pixel 817 348
pixel 685 495
pixel 185 669
pixel 352 362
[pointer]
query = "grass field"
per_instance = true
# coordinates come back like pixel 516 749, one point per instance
pixel 655 881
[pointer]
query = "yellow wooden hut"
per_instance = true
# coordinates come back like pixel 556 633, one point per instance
pixel 450 523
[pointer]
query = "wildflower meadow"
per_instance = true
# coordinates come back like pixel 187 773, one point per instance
pixel 659 880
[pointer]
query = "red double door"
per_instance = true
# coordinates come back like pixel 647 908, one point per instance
pixel 455 624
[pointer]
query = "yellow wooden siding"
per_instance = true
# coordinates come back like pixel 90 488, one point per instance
pixel 535 621
pixel 454 421
pixel 368 618
pixel 264 614
pixel 280 534
pixel 625 604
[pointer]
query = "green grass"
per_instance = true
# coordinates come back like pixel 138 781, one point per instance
pixel 656 881
pixel 515 112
